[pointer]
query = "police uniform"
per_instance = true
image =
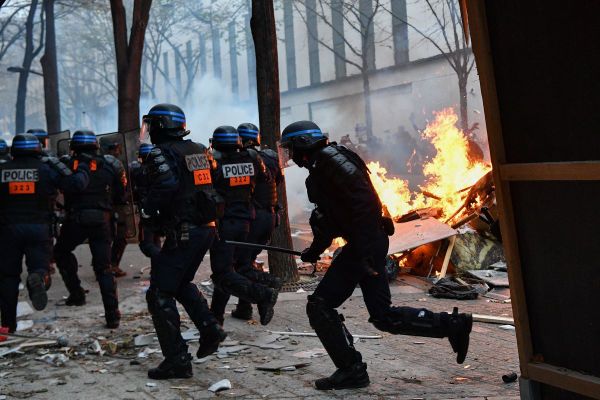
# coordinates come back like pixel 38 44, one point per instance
pixel 180 203
pixel 89 216
pixel 266 219
pixel 28 188
pixel 235 178
pixel 348 206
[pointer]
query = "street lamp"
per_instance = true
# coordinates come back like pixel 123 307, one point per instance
pixel 21 69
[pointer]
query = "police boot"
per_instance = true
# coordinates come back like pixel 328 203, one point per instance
pixel 266 308
pixel 179 367
pixel 113 318
pixel 243 310
pixel 338 342
pixel 76 298
pixel 37 291
pixel 421 322
pixel 210 338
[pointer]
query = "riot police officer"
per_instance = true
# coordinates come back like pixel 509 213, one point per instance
pixel 4 156
pixel 28 187
pixel 235 178
pixel 347 205
pixel 180 203
pixel 261 228
pixel 89 216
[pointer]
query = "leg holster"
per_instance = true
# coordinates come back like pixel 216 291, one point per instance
pixel 332 332
pixel 166 321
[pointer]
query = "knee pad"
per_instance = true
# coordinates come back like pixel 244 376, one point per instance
pixel 159 302
pixel 320 314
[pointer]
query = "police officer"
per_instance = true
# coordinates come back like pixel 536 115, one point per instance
pixel 4 156
pixel 88 216
pixel 235 178
pixel 28 187
pixel 347 205
pixel 181 204
pixel 261 228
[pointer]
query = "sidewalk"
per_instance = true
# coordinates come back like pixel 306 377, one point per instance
pixel 400 367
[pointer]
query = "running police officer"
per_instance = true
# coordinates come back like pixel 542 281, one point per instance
pixel 180 203
pixel 4 156
pixel 261 228
pixel 89 216
pixel 347 205
pixel 28 187
pixel 235 178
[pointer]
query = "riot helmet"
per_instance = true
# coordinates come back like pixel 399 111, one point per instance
pixel 25 144
pixel 163 122
pixel 144 150
pixel 84 141
pixel 226 138
pixel 3 148
pixel 249 134
pixel 298 140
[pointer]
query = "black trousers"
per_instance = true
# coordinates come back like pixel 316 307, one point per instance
pixel 223 258
pixel 100 238
pixel 33 241
pixel 171 276
pixel 119 244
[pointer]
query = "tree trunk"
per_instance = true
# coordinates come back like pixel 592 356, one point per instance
pixel 26 66
pixel 129 65
pixel 267 79
pixel 464 111
pixel 367 98
pixel 50 71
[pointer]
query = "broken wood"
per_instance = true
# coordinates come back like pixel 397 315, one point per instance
pixel 452 240
pixel 464 220
pixel 312 334
pixel 492 319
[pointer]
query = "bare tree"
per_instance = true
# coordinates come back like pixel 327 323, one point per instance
pixel 31 52
pixel 129 61
pixel 267 78
pixel 50 71
pixel 359 17
pixel 12 27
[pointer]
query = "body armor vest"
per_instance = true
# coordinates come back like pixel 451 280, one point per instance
pixel 26 193
pixel 98 194
pixel 265 193
pixel 196 201
pixel 235 177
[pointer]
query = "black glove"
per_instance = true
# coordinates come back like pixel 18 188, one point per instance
pixel 310 255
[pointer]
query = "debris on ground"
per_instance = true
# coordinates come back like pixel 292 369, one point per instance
pixel 510 377
pixel 281 365
pixel 224 384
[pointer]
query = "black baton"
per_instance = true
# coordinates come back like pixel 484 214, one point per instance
pixel 264 247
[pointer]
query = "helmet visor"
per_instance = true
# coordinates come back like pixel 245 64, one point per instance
pixel 145 130
pixel 285 154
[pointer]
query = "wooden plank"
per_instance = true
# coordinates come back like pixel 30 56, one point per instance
pixel 555 171
pixel 412 234
pixel 567 379
pixel 492 319
pixel 447 257
pixel 485 69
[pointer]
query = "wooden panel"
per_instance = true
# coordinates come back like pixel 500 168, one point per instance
pixel 563 378
pixel 571 171
pixel 409 235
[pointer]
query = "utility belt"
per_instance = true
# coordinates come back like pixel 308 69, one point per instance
pixel 180 235
pixel 89 218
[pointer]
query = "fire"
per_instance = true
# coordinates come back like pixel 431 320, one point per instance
pixel 447 174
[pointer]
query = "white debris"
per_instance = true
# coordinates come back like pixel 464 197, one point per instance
pixel 56 359
pixel 23 325
pixel 313 353
pixel 143 340
pixel 191 334
pixel 224 384
pixel 150 384
pixel 95 348
pixel 203 359
pixel 23 309
pixel 507 327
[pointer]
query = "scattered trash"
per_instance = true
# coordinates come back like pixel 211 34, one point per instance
pixel 313 353
pixel 508 378
pixel 95 348
pixel 300 291
pixel 150 384
pixel 146 352
pixel 231 349
pixel 24 325
pixel 461 379
pixel 240 370
pixel 312 334
pixel 203 359
pixel 181 387
pixel 224 384
pixel 266 342
pixel 143 340
pixel 23 309
pixel 191 334
pixel 449 288
pixel 56 359
pixel 507 327
pixel 282 365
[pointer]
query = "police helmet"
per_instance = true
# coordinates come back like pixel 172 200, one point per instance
pixel 144 150
pixel 303 135
pixel 163 121
pixel 249 134
pixel 3 147
pixel 84 141
pixel 41 134
pixel 25 144
pixel 226 138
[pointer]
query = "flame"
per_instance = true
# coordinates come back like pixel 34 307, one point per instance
pixel 447 174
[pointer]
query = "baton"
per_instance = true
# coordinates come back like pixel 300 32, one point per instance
pixel 265 247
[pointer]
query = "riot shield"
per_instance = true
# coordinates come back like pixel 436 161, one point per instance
pixel 55 138
pixel 62 147
pixel 117 145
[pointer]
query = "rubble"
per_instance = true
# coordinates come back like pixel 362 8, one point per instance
pixel 224 384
